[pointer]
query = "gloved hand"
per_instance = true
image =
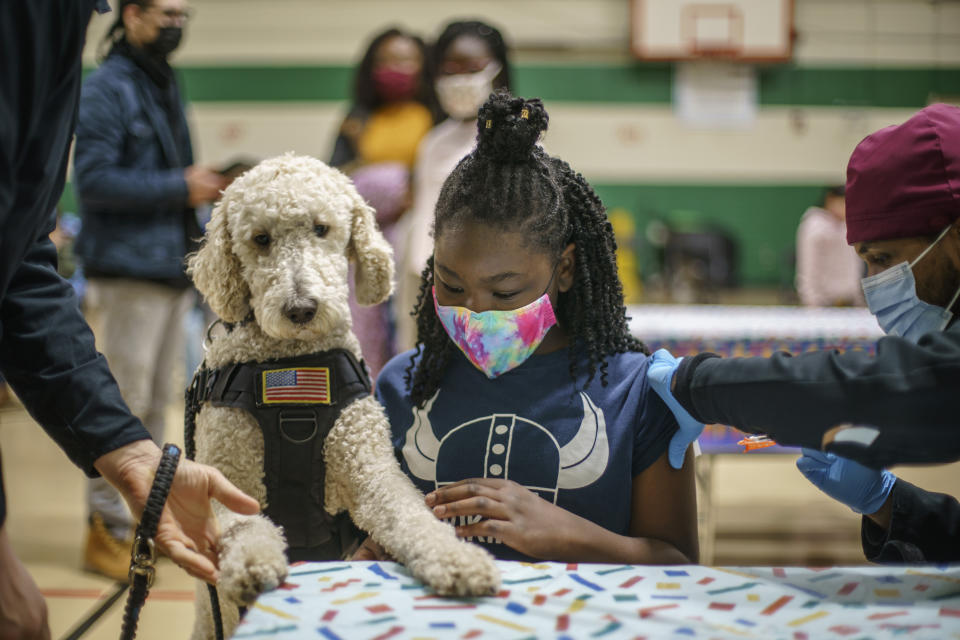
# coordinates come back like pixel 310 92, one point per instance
pixel 861 488
pixel 662 365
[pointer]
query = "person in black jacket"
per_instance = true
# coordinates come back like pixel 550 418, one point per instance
pixel 47 351
pixel 136 186
pixel 900 406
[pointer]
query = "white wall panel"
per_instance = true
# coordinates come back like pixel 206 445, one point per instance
pixel 222 132
pixel 607 143
pixel 948 19
pixel 335 31
pixel 906 18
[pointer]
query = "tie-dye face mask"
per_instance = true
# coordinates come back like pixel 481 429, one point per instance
pixel 497 341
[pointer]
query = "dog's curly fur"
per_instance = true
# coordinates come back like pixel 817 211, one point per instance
pixel 316 223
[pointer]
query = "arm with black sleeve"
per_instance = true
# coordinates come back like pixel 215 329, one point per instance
pixel 48 356
pixel 47 352
pixel 909 393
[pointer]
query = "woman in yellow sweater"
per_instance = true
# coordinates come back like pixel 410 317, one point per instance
pixel 393 104
pixel 393 108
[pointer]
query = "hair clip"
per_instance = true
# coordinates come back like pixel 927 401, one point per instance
pixel 524 113
pixel 489 124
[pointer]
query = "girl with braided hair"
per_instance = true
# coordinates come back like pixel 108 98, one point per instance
pixel 525 413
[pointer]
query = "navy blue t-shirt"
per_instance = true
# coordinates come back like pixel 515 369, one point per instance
pixel 578 446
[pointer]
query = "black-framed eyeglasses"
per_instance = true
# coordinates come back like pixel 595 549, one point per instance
pixel 174 15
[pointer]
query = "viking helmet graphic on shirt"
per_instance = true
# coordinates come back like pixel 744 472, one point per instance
pixel 578 463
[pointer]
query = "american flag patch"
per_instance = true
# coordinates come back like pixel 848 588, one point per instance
pixel 302 385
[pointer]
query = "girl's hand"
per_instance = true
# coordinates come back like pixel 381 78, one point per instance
pixel 512 514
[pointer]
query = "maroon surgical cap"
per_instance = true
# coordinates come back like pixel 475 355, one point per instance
pixel 904 180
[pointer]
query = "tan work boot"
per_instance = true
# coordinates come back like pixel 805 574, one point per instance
pixel 105 554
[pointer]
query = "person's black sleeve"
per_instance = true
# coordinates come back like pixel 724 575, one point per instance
pixel 345 151
pixel 47 355
pixel 924 527
pixel 909 392
pixel 40 46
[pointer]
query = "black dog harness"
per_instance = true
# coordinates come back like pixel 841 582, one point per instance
pixel 296 402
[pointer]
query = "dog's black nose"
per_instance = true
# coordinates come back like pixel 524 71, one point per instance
pixel 301 312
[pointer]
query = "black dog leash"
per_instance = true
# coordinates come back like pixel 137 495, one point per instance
pixel 144 552
pixel 84 625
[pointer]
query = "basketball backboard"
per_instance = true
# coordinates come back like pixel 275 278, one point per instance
pixel 738 30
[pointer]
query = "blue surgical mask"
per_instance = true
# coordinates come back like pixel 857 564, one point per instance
pixel 892 297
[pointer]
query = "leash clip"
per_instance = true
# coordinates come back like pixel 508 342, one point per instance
pixel 142 563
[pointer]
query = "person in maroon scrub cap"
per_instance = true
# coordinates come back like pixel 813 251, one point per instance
pixel 901 405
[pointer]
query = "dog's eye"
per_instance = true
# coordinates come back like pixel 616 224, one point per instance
pixel 320 230
pixel 262 239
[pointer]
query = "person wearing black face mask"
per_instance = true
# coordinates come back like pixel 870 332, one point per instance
pixel 137 188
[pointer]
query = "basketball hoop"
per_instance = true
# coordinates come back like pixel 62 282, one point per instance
pixel 731 30
pixel 712 30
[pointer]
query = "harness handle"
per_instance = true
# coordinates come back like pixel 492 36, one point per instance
pixel 193 398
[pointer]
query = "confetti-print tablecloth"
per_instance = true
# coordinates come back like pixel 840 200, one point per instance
pixel 367 600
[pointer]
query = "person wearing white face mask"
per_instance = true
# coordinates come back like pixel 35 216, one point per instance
pixel 901 405
pixel 469 60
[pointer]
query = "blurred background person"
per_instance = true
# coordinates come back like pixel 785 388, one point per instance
pixel 64 236
pixel 469 60
pixel 393 108
pixel 136 188
pixel 828 269
pixel 393 104
pixel 386 187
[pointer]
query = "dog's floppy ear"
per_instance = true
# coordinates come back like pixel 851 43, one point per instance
pixel 215 270
pixel 372 252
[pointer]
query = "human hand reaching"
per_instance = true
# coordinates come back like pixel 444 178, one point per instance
pixel 861 488
pixel 188 530
pixel 203 185
pixel 660 371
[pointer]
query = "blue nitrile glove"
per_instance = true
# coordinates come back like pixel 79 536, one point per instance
pixel 861 488
pixel 660 370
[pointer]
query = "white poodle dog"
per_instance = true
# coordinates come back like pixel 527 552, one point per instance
pixel 274 267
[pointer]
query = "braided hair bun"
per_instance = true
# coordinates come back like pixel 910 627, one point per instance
pixel 508 128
